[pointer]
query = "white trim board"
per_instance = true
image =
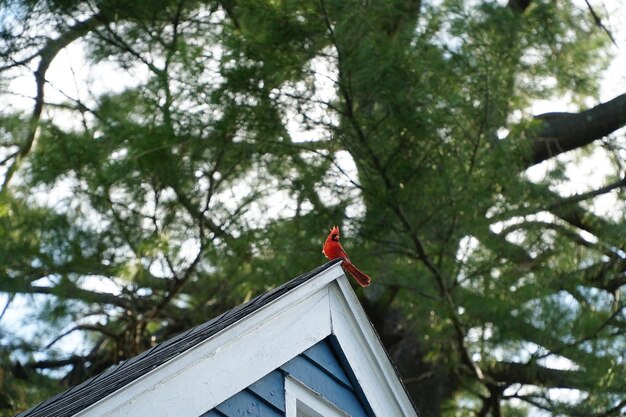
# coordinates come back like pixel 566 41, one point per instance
pixel 203 377
pixel 302 400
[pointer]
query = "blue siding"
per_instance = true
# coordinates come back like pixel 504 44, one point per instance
pixel 246 404
pixel 271 388
pixel 319 368
pixel 322 355
pixel 264 398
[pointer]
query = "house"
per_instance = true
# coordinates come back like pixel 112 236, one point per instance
pixel 304 349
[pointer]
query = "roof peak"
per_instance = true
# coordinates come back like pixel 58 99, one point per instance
pixel 81 396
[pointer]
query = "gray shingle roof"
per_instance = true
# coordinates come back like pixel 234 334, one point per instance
pixel 94 389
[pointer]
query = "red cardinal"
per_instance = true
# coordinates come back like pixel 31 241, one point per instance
pixel 333 250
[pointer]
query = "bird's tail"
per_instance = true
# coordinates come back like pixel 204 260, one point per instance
pixel 362 278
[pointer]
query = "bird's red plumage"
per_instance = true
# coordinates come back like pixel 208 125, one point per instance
pixel 333 250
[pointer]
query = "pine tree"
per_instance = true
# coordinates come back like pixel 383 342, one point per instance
pixel 206 147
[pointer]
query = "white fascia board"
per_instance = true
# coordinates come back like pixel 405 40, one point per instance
pixel 213 371
pixel 366 355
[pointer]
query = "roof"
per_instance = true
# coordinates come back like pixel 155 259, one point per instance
pixel 81 396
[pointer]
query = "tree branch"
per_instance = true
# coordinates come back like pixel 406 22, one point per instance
pixel 562 132
pixel 599 23
pixel 59 363
pixel 46 55
pixel 577 198
pixel 74 292
pixel 518 6
pixel 83 327
pixel 609 276
pixel 533 374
